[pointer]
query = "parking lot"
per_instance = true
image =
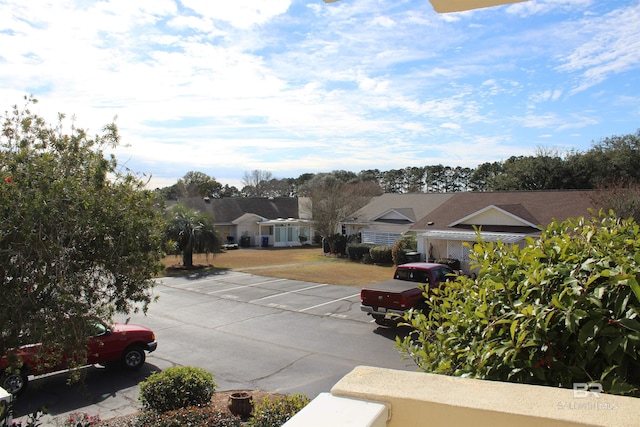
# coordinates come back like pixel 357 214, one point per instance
pixel 251 332
pixel 292 295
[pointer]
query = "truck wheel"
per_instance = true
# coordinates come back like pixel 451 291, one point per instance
pixel 133 357
pixel 14 383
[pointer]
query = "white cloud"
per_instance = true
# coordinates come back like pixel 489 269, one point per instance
pixel 239 13
pixel 546 95
pixel 612 47
pixel 540 7
pixel 452 126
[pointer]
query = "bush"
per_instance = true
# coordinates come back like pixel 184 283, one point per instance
pixel 337 244
pixel 276 412
pixel 381 255
pixel 399 255
pixel 356 251
pixel 81 419
pixel 177 387
pixel 399 251
pixel 204 416
pixel 563 309
pixel 454 264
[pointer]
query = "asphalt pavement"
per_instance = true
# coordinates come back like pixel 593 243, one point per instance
pixel 251 332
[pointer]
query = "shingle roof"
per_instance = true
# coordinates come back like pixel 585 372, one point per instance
pixel 412 205
pixel 228 209
pixel 536 207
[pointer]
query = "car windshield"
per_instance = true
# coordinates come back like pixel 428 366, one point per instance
pixel 98 329
pixel 412 275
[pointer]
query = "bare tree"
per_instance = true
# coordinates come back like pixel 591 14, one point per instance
pixel 333 200
pixel 621 197
pixel 256 183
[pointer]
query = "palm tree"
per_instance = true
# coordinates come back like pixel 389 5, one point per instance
pixel 193 232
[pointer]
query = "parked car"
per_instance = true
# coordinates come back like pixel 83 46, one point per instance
pixel 118 343
pixel 387 301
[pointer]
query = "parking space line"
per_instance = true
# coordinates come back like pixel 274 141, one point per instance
pixel 197 282
pixel 329 302
pixel 230 289
pixel 288 292
pixel 244 286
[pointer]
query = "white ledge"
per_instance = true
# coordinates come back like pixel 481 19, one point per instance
pixel 327 410
pixel 419 399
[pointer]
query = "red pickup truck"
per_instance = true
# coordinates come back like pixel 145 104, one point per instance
pixel 123 343
pixel 387 301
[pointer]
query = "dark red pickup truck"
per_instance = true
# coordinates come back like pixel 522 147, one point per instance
pixel 386 301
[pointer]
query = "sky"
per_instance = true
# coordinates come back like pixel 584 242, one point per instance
pixel 301 86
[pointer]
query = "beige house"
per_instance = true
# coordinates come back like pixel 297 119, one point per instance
pixel 505 216
pixel 443 222
pixel 387 217
pixel 258 221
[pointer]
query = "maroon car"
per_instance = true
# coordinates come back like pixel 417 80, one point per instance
pixel 119 342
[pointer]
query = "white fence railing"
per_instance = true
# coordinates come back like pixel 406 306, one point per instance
pixel 380 239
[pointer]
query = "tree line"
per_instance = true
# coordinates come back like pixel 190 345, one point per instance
pixel 611 161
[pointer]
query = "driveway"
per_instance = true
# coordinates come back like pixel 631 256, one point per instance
pixel 251 332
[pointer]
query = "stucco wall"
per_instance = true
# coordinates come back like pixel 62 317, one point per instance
pixel 419 399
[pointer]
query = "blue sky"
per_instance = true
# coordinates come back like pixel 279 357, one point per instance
pixel 297 86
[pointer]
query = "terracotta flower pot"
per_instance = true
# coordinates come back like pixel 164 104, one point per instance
pixel 241 404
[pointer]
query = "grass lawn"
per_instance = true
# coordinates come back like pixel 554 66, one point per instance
pixel 307 263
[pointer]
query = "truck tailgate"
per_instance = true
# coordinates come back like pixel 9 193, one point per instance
pixel 391 294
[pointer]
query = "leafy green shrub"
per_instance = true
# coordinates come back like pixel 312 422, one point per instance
pixel 563 309
pixel 381 254
pixel 399 251
pixel 276 412
pixel 177 387
pixel 204 416
pixel 356 251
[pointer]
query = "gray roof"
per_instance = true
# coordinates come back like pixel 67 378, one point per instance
pixel 228 209
pixel 413 206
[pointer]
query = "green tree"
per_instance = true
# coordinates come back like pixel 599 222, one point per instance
pixel 484 176
pixel 191 232
pixel 199 184
pixel 413 180
pixel 614 159
pixel 79 236
pixel 562 309
pixel 545 171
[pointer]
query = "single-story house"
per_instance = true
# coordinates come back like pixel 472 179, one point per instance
pixel 505 216
pixel 387 217
pixel 443 222
pixel 259 221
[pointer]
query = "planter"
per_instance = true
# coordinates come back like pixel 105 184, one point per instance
pixel 241 404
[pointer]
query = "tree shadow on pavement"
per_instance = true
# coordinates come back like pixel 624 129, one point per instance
pixel 54 393
pixel 392 333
